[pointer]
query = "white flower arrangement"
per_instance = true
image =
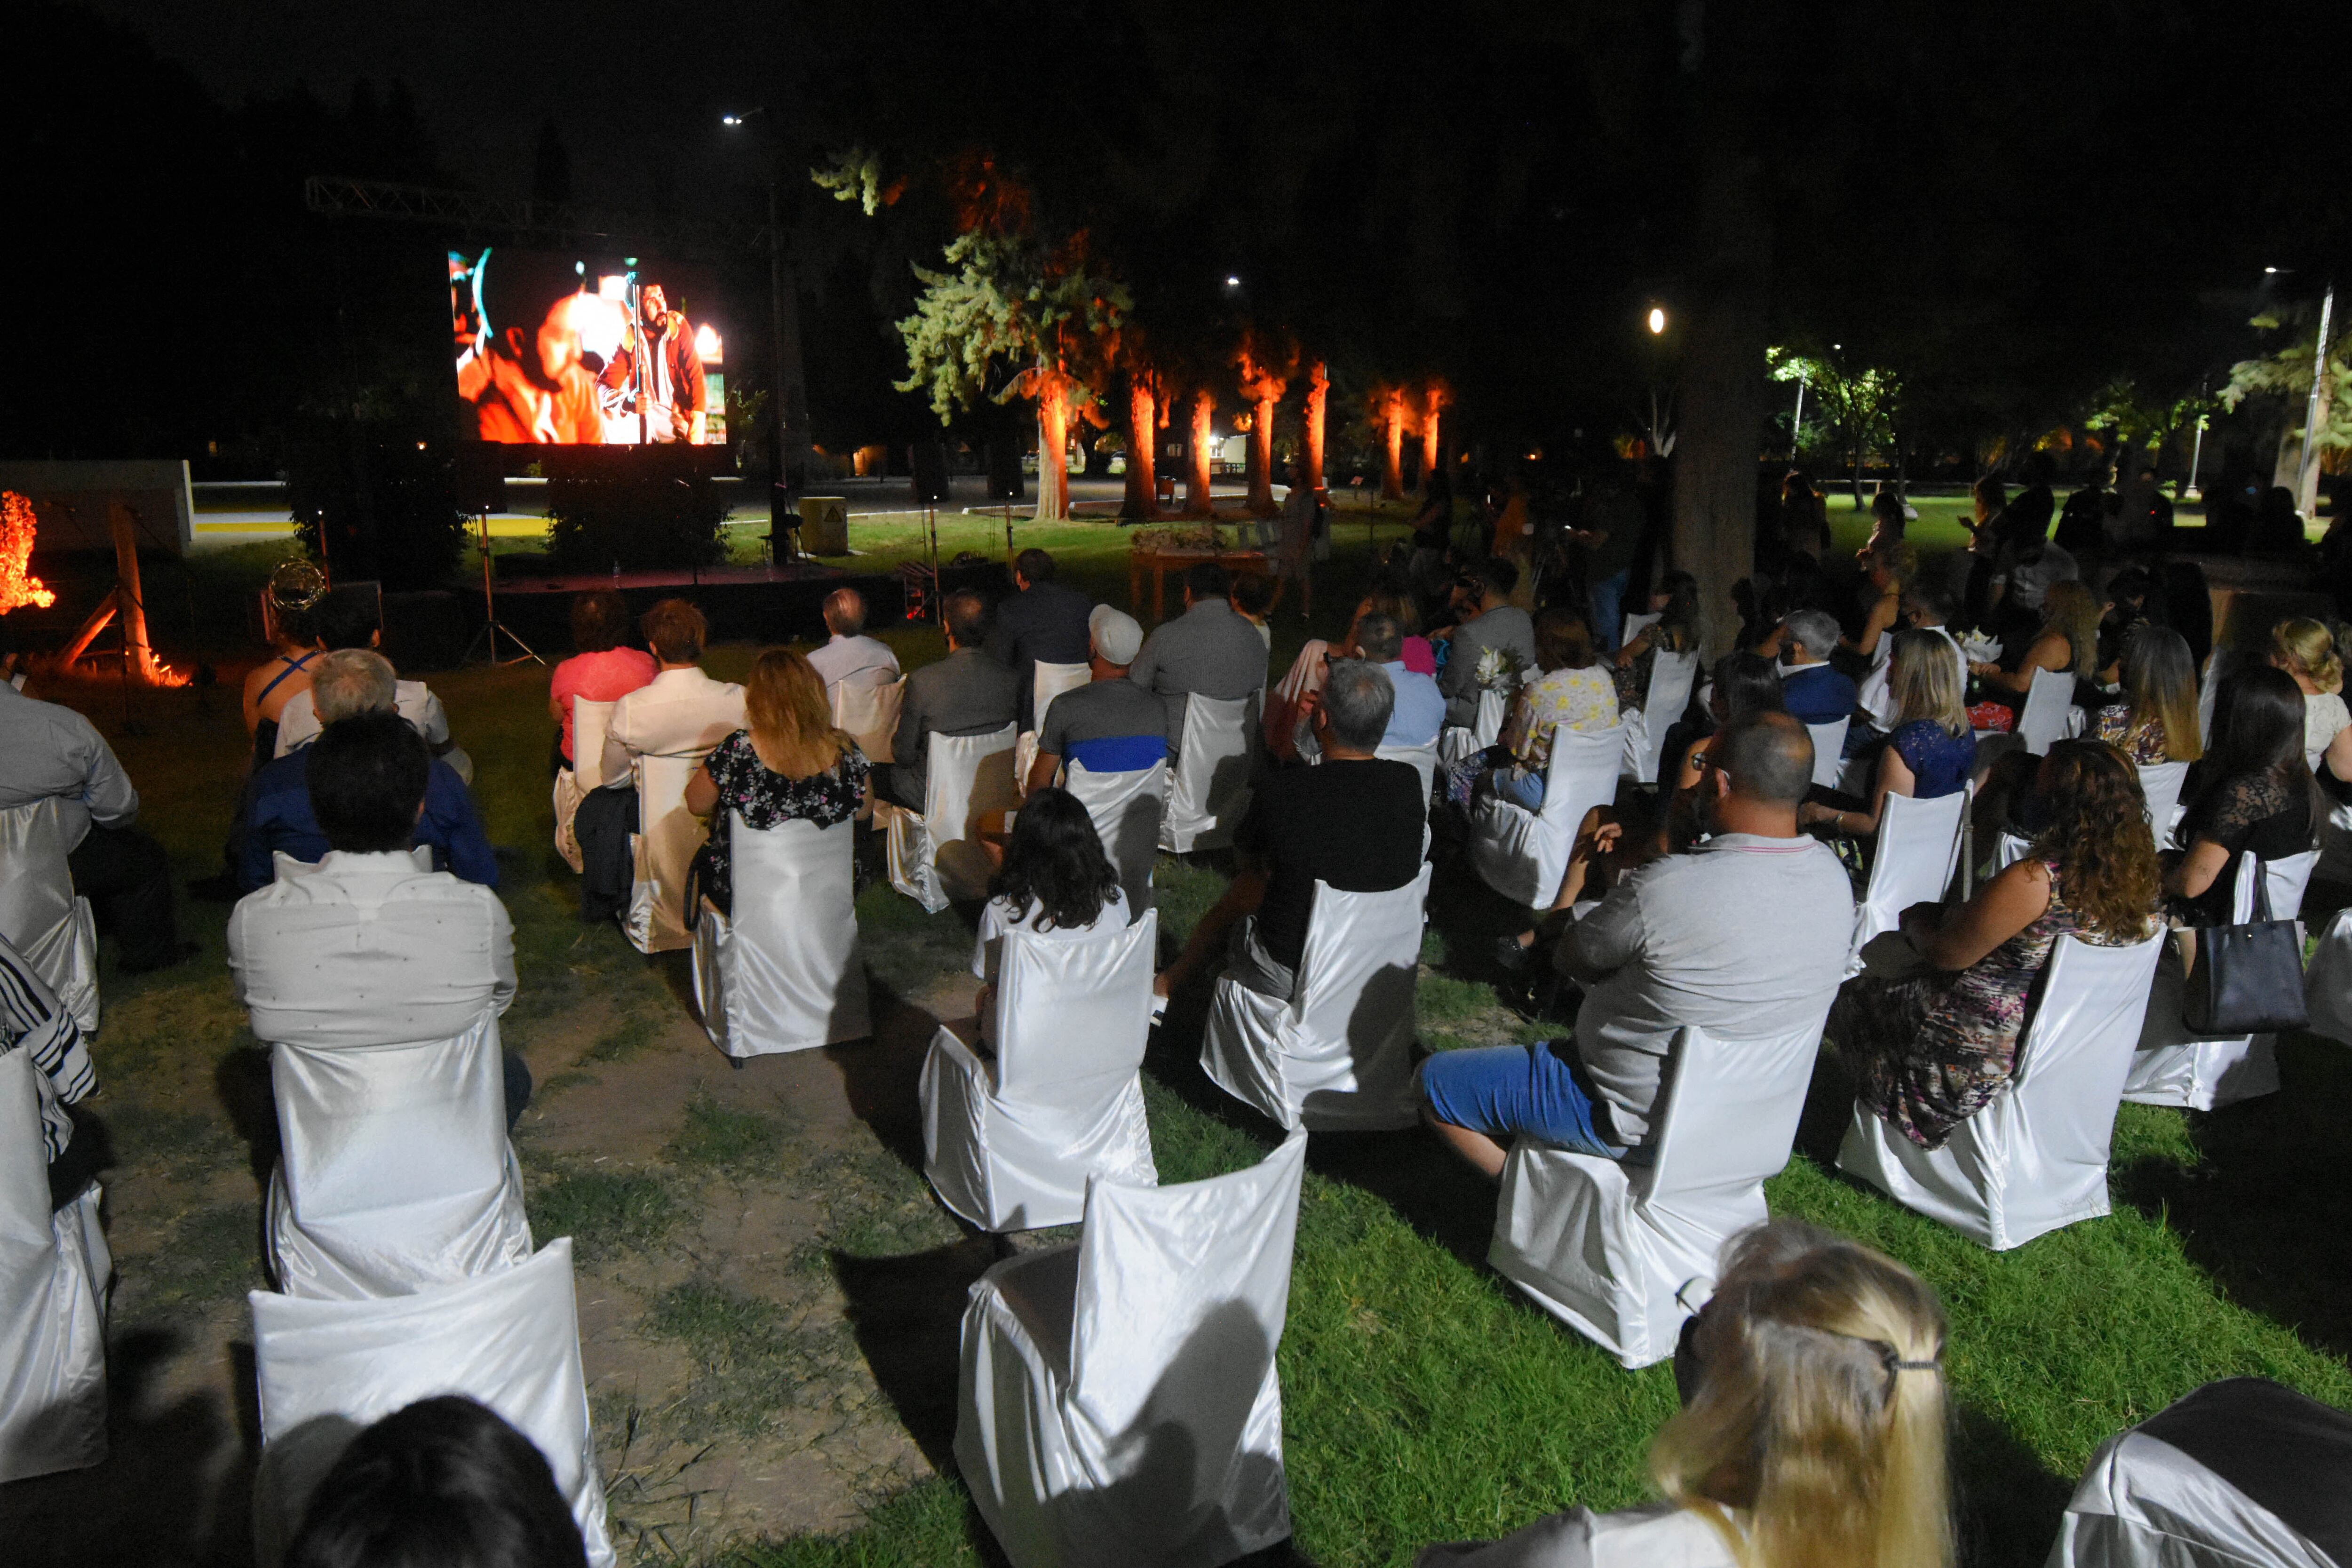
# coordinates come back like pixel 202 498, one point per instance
pixel 1497 671
pixel 1981 648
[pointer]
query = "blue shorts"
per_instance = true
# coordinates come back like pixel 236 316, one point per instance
pixel 1500 1091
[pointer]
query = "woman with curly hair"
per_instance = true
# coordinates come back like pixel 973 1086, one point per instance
pixel 1936 1044
pixel 2306 649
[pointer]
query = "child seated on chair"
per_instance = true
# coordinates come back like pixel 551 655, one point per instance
pixel 1056 882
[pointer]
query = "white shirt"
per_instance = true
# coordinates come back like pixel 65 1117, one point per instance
pixel 298 722
pixel 682 713
pixel 1656 1535
pixel 48 751
pixel 843 657
pixel 366 950
pixel 988 950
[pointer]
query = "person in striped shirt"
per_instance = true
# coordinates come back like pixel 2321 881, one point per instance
pixel 31 1021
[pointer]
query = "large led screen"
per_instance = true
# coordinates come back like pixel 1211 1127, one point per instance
pixel 581 351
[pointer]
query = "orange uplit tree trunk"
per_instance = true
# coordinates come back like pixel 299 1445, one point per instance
pixel 1142 443
pixel 1264 386
pixel 1310 424
pixel 1432 452
pixel 1052 388
pixel 1388 414
pixel 1196 479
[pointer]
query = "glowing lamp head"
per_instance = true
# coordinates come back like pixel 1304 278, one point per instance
pixel 705 345
pixel 1657 321
pixel 730 119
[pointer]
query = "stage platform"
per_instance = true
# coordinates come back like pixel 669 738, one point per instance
pixel 535 580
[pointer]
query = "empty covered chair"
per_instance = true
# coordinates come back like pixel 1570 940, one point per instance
pixel 660 851
pixel 1672 675
pixel 1127 808
pixel 572 783
pixel 1919 850
pixel 325 1370
pixel 1209 779
pixel 868 711
pixel 40 915
pixel 783 971
pixel 935 857
pixel 2035 1157
pixel 1119 1399
pixel 1623 1253
pixel 2238 1473
pixel 54 1269
pixel 1010 1140
pixel 1523 853
pixel 395 1172
pixel 2169 1068
pixel 1337 1054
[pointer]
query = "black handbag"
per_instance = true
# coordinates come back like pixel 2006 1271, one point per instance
pixel 2248 979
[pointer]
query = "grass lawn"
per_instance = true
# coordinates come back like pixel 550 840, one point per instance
pixel 1423 1399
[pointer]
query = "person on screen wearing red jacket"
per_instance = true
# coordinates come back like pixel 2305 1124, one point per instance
pixel 672 398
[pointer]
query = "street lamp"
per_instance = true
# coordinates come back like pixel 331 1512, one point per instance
pixel 785 348
pixel 1657 321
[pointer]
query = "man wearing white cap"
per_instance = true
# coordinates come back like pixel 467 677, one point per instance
pixel 1109 725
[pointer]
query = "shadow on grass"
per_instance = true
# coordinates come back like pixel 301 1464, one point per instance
pixel 2005 1501
pixel 880 1076
pixel 908 1315
pixel 241 1079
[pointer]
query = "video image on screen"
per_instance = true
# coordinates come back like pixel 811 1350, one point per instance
pixel 562 350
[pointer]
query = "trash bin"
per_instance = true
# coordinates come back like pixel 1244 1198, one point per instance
pixel 825 525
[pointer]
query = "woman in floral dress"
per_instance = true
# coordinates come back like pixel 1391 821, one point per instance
pixel 1935 1046
pixel 790 765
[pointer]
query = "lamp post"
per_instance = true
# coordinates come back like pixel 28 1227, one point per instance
pixel 788 396
pixel 2315 412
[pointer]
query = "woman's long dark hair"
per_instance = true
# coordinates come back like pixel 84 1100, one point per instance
pixel 1056 862
pixel 2258 731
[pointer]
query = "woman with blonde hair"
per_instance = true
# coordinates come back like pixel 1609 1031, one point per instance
pixel 2306 649
pixel 1813 1429
pixel 1931 750
pixel 2157 720
pixel 2067 642
pixel 790 765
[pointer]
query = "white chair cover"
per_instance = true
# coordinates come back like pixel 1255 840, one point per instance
pixel 936 857
pixel 1458 741
pixel 1523 853
pixel 1337 1055
pixel 784 972
pixel 1919 850
pixel 1671 675
pixel 2036 1157
pixel 1119 1399
pixel 2208 692
pixel 2171 1069
pixel 2237 1474
pixel 2049 712
pixel 1623 1253
pixel 2159 786
pixel 1829 751
pixel 509 1341
pixel 1423 760
pixel 395 1173
pixel 53 1275
pixel 1632 626
pixel 589 722
pixel 868 714
pixel 1049 682
pixel 1010 1143
pixel 1126 809
pixel 1209 783
pixel 662 848
pixel 2327 981
pixel 39 913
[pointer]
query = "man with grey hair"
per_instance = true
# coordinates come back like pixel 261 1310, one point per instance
pixel 1354 822
pixel 849 653
pixel 344 684
pixel 1809 688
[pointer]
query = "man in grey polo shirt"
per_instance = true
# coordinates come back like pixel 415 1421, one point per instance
pixel 1110 725
pixel 1207 651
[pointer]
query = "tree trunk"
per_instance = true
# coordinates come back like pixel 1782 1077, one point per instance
pixel 1142 443
pixel 1261 458
pixel 1392 447
pixel 1430 451
pixel 1196 482
pixel 1053 451
pixel 1310 424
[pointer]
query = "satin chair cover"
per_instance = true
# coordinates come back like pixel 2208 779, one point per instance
pixel 39 913
pixel 1623 1253
pixel 1456 743
pixel 2049 713
pixel 1010 1143
pixel 936 856
pixel 2036 1157
pixel 1118 1400
pixel 1336 1054
pixel 1919 849
pixel 1671 677
pixel 326 1370
pixel 1423 760
pixel 1523 853
pixel 2159 786
pixel 1127 808
pixel 54 1269
pixel 394 1172
pixel 2327 981
pixel 1048 681
pixel 1209 781
pixel 784 972
pixel 589 722
pixel 868 714
pixel 2171 1069
pixel 1829 751
pixel 662 848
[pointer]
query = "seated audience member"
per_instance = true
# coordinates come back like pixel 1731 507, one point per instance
pixel 348 621
pixel 1925 607
pixel 966 693
pixel 1812 690
pixel 1936 1046
pixel 1931 750
pixel 348 682
pixel 1044 623
pixel 1420 710
pixel 1489 621
pixel 2067 642
pixel 2132 603
pixel 2157 720
pixel 1811 1432
pixel 295 588
pixel 2252 792
pixel 1573 692
pixel 1886 573
pixel 1207 651
pixel 1354 823
pixel 366 950
pixel 50 752
pixel 1743 936
pixel 602 671
pixel 1110 725
pixel 1055 881
pixel 848 654
pixel 2306 649
pixel 1889 518
pixel 444 1481
pixel 1677 629
pixel 681 713
pixel 32 1022
pixel 1418 655
pixel 787 764
pixel 1253 599
pixel 1286 719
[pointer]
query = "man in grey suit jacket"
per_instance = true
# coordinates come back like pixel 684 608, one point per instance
pixel 1490 620
pixel 966 693
pixel 1208 651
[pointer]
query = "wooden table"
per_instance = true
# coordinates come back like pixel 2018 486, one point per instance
pixel 1241 563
